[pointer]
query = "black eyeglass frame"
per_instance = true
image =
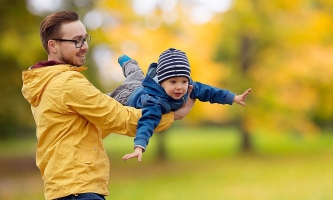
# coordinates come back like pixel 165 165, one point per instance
pixel 86 39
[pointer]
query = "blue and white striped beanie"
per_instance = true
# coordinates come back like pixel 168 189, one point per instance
pixel 172 63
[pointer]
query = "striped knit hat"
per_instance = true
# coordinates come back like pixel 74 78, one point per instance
pixel 172 63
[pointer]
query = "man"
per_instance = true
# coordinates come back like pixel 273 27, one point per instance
pixel 72 116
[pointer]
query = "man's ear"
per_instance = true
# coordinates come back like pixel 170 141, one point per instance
pixel 52 46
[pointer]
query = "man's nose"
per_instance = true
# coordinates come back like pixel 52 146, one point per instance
pixel 85 46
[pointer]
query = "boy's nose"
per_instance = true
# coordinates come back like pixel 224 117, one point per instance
pixel 178 87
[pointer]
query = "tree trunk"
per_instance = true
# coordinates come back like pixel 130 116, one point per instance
pixel 161 146
pixel 246 58
pixel 246 145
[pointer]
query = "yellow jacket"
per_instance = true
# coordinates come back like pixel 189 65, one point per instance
pixel 72 118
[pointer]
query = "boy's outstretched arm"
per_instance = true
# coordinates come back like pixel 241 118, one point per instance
pixel 239 99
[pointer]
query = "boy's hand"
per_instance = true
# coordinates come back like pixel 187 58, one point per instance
pixel 136 154
pixel 240 98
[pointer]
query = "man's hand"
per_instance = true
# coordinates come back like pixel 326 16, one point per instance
pixel 136 154
pixel 240 98
pixel 185 109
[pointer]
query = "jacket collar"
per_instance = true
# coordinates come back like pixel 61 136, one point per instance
pixel 45 64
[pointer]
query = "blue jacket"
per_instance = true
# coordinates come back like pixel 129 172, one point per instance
pixel 154 101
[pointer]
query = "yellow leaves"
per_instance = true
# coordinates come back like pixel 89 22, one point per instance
pixel 287 4
pixel 10 41
pixel 122 7
pixel 293 88
pixel 311 65
pixel 288 88
pixel 310 28
pixel 15 44
pixel 291 49
pixel 321 25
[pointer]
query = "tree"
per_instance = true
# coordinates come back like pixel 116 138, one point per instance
pixel 275 46
pixel 20 48
pixel 18 43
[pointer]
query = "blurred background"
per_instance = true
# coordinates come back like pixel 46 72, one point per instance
pixel 279 146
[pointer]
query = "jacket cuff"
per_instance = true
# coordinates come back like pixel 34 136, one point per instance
pixel 230 98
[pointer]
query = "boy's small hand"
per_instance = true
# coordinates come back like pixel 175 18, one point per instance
pixel 136 154
pixel 240 98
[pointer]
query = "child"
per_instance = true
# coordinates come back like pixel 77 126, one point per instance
pixel 164 89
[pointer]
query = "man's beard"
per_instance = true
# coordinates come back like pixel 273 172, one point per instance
pixel 70 60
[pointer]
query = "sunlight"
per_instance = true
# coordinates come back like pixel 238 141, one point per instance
pixel 39 7
pixel 204 10
pixel 198 11
pixel 104 58
pixel 93 19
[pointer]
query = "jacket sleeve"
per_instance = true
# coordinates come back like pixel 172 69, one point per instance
pixel 151 117
pixel 103 111
pixel 205 93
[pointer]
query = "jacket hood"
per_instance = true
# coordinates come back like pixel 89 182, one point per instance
pixel 36 79
pixel 152 87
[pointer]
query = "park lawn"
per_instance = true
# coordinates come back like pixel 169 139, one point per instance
pixel 204 163
pixel 238 178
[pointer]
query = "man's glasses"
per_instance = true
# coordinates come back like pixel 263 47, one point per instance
pixel 78 43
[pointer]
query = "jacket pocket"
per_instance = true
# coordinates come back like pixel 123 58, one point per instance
pixel 87 155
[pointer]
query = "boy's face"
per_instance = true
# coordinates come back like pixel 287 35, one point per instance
pixel 175 87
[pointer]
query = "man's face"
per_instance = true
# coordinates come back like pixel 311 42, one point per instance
pixel 67 51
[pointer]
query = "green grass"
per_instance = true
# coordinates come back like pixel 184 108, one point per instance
pixel 241 178
pixel 205 163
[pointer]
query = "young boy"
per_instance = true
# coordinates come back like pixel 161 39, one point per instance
pixel 164 89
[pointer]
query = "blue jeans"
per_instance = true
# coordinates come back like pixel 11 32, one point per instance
pixel 83 196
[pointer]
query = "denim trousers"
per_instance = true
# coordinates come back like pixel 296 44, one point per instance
pixel 83 196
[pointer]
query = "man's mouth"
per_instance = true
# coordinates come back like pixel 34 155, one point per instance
pixel 81 55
